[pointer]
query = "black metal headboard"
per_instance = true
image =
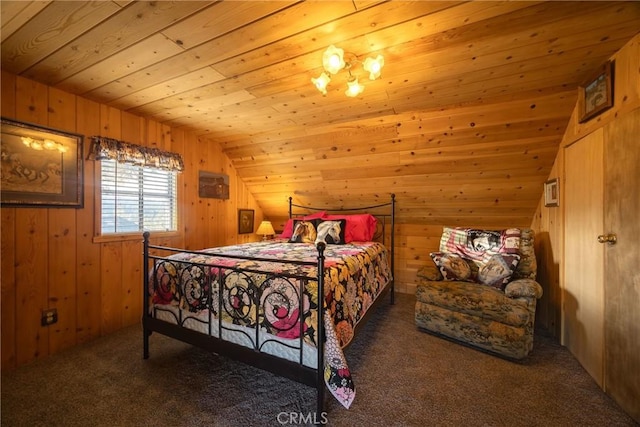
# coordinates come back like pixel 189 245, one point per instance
pixel 383 218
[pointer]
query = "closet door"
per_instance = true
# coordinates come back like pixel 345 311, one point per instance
pixel 583 292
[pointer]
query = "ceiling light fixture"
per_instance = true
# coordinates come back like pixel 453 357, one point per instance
pixel 333 60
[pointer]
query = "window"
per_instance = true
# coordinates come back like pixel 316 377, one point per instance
pixel 138 186
pixel 137 198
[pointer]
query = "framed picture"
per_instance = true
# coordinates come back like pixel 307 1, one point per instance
pixel 213 185
pixel 551 193
pixel 41 167
pixel 596 95
pixel 245 221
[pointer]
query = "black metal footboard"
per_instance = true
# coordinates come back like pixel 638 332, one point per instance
pixel 218 299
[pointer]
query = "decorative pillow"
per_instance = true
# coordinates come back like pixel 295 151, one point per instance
pixel 498 270
pixel 479 245
pixel 331 232
pixel 452 266
pixel 360 227
pixel 288 227
pixel 303 231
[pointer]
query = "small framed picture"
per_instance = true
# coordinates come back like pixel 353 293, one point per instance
pixel 596 95
pixel 551 193
pixel 245 221
pixel 213 185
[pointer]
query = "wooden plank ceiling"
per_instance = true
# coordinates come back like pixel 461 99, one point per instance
pixel 463 126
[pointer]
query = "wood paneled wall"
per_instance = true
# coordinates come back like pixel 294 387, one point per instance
pixel 50 258
pixel 548 221
pixel 414 242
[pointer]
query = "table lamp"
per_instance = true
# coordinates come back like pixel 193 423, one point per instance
pixel 266 229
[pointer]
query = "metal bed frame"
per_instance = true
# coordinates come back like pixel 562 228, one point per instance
pixel 296 371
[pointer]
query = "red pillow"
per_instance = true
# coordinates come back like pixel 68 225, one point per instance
pixel 360 227
pixel 288 227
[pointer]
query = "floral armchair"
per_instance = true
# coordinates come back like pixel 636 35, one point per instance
pixel 481 290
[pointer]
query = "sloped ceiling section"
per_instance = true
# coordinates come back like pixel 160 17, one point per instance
pixel 463 125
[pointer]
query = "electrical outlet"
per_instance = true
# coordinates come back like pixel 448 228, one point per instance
pixel 49 317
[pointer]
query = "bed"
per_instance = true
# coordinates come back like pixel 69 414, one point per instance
pixel 258 302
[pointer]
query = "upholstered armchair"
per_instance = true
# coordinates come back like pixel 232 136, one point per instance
pixel 497 315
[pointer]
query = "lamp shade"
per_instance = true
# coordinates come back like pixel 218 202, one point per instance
pixel 333 59
pixel 321 83
pixel 353 88
pixel 373 66
pixel 266 229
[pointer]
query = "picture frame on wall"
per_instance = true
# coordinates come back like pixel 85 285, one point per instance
pixel 596 95
pixel 213 185
pixel 41 167
pixel 551 193
pixel 245 221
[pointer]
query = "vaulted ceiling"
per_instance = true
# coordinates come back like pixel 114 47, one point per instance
pixel 463 125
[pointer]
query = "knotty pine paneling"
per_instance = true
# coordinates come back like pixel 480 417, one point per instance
pixel 16 14
pixel 621 291
pixel 7 248
pixel 88 294
pixel 62 277
pixel 50 258
pixel 111 286
pixel 8 286
pixel 549 221
pixel 190 175
pixel 31 243
pixel 62 241
pixel 456 73
pixel 138 18
pixel 130 278
pixel 31 275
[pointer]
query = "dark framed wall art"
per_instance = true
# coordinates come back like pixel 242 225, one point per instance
pixel 596 95
pixel 551 193
pixel 213 185
pixel 245 221
pixel 41 167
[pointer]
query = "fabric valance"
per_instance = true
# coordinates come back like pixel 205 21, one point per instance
pixel 124 152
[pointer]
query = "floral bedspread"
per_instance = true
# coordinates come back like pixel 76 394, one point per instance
pixel 355 274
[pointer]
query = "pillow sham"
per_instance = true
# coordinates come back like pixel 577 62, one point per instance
pixel 359 228
pixel 303 231
pixel 331 231
pixel 288 227
pixel 479 245
pixel 498 270
pixel 452 266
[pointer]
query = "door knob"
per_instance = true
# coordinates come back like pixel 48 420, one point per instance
pixel 608 238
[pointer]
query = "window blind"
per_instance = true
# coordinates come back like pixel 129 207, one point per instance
pixel 137 198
